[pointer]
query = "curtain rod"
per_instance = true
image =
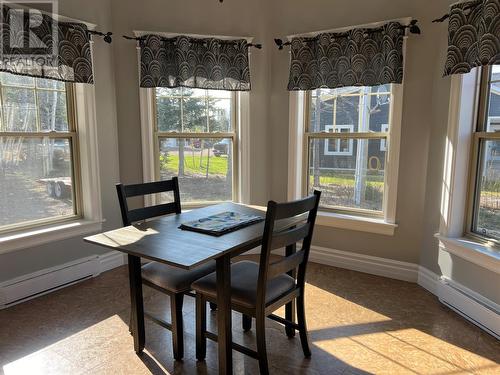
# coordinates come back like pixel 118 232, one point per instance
pixel 195 40
pixel 412 27
pixel 105 36
pixel 447 15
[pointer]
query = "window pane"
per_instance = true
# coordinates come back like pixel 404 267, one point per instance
pixel 35 179
pixel 487 212
pixel 52 110
pixel 16 80
pixel 51 84
pixel 353 179
pixel 494 104
pixel 168 113
pixel 204 167
pixel 195 112
pixel 365 109
pixel 19 109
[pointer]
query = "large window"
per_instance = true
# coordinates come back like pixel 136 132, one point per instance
pixel 484 217
pixel 195 136
pixel 346 137
pixel 38 149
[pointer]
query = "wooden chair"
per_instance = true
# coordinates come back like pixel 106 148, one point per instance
pixel 259 289
pixel 169 280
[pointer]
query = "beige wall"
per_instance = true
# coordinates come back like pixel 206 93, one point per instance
pixel 425 115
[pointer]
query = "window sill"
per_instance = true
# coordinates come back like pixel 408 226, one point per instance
pixel 25 238
pixel 357 223
pixel 471 251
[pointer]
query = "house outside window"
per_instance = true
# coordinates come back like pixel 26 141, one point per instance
pixel 348 162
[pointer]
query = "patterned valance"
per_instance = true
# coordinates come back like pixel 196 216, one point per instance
pixel 474 36
pixel 358 57
pixel 183 61
pixel 36 45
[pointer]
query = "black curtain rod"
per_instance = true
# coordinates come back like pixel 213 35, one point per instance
pixel 141 39
pixel 412 27
pixel 447 15
pixel 106 36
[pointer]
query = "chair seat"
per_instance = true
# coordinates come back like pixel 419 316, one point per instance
pixel 244 278
pixel 174 279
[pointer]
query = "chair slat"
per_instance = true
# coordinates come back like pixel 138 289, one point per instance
pixel 284 265
pixel 152 211
pixel 290 236
pixel 149 188
pixel 290 209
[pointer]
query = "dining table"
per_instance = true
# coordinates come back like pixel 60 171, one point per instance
pixel 161 240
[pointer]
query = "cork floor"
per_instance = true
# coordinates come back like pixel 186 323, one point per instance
pixel 358 323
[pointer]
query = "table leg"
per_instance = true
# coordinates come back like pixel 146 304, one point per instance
pixel 224 324
pixel 136 303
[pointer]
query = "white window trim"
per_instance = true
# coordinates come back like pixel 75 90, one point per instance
pixel 337 141
pixel 297 164
pixel 383 143
pixel 454 194
pixel 90 185
pixel 146 96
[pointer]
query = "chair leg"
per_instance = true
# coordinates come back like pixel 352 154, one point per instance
pixel 290 316
pixel 260 326
pixel 301 320
pixel 176 302
pixel 201 327
pixel 213 306
pixel 246 322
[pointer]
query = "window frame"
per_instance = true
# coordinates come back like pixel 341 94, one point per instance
pixel 72 135
pixel 233 136
pixel 478 137
pixel 388 213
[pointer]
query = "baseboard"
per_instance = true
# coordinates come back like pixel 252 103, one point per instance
pixel 471 305
pixel 36 284
pixel 111 260
pixel 365 263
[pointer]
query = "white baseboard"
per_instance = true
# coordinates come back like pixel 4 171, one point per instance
pixel 365 263
pixel 26 287
pixel 111 260
pixel 471 305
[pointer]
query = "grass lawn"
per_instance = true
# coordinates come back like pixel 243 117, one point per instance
pixel 192 165
pixel 347 180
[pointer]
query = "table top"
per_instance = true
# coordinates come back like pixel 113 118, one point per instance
pixel 161 239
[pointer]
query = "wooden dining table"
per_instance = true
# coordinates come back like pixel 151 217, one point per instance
pixel 161 240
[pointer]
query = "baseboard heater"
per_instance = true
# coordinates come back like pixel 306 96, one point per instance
pixel 39 283
pixel 483 313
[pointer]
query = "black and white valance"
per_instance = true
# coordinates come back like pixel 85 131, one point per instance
pixel 473 36
pixel 35 44
pixel 358 57
pixel 183 61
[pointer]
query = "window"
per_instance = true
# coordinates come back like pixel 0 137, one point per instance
pixel 346 135
pixel 339 146
pixel 195 134
pixel 38 149
pixel 484 217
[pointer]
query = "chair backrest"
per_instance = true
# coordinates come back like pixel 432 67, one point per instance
pixel 127 191
pixel 286 225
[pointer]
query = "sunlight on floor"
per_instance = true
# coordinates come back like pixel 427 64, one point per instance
pixel 405 351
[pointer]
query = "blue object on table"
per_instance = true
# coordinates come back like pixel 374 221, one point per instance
pixel 222 223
